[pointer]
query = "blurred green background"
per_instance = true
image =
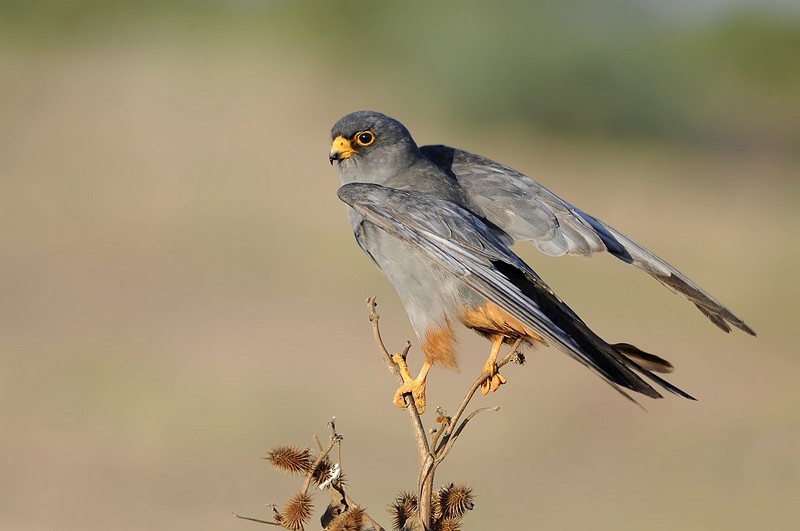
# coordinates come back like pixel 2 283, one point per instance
pixel 179 288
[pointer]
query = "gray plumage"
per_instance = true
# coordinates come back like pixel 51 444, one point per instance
pixel 439 223
pixel 528 211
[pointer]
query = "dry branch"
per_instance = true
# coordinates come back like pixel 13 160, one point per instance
pixel 424 510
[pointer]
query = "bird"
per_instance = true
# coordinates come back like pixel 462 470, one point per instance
pixel 439 222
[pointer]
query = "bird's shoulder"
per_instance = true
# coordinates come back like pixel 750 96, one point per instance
pixel 516 203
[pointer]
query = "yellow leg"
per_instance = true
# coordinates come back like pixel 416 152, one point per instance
pixel 415 386
pixel 495 380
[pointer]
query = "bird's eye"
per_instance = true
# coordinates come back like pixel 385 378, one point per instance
pixel 365 138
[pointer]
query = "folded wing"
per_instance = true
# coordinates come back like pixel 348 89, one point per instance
pixel 455 240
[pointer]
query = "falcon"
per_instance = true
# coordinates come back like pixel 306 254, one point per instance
pixel 439 223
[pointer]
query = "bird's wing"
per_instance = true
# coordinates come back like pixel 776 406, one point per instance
pixel 455 240
pixel 528 211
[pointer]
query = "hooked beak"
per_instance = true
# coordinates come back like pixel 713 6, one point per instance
pixel 341 148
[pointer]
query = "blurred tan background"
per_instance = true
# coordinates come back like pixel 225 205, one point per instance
pixel 179 288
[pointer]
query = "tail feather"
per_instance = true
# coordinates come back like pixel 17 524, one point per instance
pixel 651 362
pixel 646 364
pixel 662 382
pixel 618 360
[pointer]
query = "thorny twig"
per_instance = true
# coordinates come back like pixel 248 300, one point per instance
pixel 443 420
pixel 453 428
pixel 333 483
pixel 433 452
pixel 423 446
pixel 336 439
pixel 240 517
pixel 277 523
pixel 376 526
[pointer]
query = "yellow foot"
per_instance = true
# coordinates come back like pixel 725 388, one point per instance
pixel 495 379
pixel 414 386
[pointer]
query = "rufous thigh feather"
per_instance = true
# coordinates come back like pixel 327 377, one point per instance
pixel 439 346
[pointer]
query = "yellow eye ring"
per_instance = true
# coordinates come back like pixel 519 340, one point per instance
pixel 364 138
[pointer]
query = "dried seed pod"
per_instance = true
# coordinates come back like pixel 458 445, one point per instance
pixel 290 459
pixel 403 508
pixel 323 470
pixel 448 524
pixel 455 500
pixel 334 478
pixel 350 520
pixel 297 512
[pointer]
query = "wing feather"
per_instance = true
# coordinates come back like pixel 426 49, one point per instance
pixel 477 255
pixel 528 211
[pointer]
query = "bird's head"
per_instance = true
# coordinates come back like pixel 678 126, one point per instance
pixel 368 146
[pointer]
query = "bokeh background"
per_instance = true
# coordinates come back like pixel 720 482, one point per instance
pixel 179 288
